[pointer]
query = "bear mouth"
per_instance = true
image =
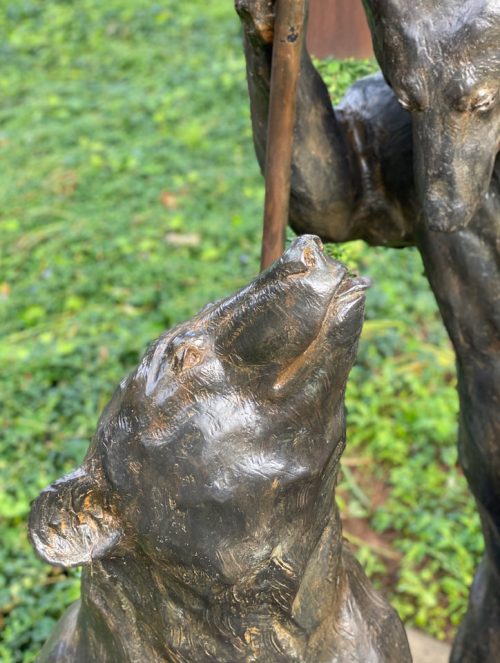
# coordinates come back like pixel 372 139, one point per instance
pixel 345 299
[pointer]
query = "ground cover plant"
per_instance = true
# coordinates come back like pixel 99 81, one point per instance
pixel 130 197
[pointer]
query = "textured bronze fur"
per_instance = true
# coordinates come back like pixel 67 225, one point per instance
pixel 410 157
pixel 204 511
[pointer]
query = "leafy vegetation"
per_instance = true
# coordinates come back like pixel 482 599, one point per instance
pixel 130 197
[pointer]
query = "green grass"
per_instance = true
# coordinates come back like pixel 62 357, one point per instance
pixel 130 197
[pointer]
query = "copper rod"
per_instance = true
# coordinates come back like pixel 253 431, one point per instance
pixel 288 35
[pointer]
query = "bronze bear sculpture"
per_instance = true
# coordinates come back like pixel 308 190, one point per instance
pixel 204 511
pixel 410 158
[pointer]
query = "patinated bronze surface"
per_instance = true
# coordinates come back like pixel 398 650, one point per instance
pixel 410 158
pixel 204 511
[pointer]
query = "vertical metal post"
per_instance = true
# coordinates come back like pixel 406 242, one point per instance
pixel 288 36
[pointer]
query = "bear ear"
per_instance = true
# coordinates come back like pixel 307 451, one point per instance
pixel 70 524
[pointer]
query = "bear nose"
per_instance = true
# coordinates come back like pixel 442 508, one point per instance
pixel 304 255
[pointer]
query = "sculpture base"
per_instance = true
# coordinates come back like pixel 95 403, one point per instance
pixel 425 649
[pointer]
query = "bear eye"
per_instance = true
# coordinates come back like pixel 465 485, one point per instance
pixel 405 103
pixel 482 102
pixel 186 357
pixel 413 104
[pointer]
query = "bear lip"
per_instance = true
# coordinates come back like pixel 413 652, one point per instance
pixel 345 297
pixel 347 292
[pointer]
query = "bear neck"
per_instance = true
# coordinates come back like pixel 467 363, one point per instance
pixel 139 611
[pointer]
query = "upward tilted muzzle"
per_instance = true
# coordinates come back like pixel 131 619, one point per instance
pixel 275 319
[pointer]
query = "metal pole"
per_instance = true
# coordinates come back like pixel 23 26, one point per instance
pixel 288 35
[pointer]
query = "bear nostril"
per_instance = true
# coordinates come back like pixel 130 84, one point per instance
pixel 304 255
pixel 309 257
